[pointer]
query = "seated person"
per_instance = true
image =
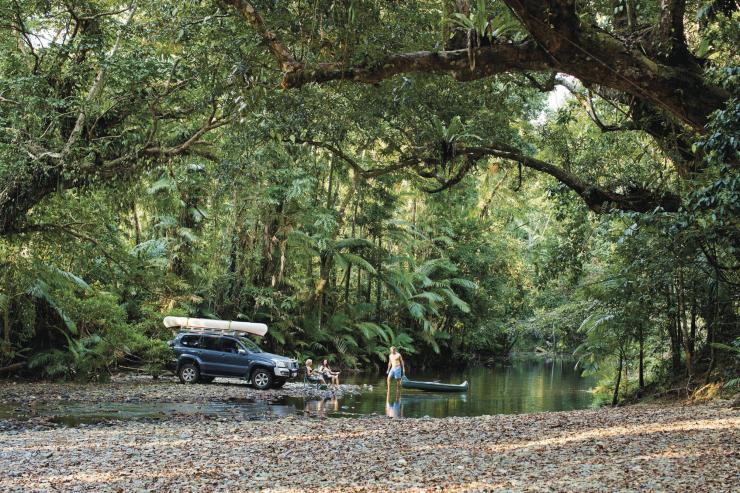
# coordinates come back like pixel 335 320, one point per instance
pixel 311 374
pixel 328 374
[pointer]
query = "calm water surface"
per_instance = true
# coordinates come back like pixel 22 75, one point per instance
pixel 522 387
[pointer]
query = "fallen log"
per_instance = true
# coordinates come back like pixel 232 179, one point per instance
pixel 13 367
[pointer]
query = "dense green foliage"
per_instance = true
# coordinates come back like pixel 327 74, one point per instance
pixel 151 165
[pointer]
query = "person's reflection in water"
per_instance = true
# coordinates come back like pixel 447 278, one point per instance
pixel 331 404
pixel 393 409
pixel 320 407
pixel 311 407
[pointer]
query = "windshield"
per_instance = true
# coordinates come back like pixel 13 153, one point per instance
pixel 251 346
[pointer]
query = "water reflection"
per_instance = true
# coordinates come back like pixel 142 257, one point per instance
pixel 321 407
pixel 74 413
pixel 523 386
pixel 393 408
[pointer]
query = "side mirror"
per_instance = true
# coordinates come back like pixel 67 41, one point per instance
pixel 241 351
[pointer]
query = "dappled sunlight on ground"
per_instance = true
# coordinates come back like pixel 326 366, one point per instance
pixel 638 448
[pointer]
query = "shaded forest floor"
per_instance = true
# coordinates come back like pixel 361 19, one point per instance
pixel 637 448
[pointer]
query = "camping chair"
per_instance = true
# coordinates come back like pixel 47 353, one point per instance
pixel 310 380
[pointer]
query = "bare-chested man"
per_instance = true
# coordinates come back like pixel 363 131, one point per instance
pixel 396 368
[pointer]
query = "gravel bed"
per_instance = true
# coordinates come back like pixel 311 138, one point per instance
pixel 45 405
pixel 132 388
pixel 638 448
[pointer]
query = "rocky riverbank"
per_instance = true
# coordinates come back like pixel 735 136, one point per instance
pixel 639 448
pixel 43 405
pixel 132 388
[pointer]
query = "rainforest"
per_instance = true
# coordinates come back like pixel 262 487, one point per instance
pixel 463 180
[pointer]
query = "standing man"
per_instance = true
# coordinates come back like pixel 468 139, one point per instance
pixel 396 369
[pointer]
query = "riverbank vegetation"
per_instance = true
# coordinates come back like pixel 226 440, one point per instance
pixel 547 176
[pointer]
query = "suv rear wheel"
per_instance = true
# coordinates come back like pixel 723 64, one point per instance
pixel 261 379
pixel 189 373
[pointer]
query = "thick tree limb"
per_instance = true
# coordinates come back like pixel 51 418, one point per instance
pixel 20 193
pixel 597 198
pixel 356 167
pixel 93 92
pixel 489 60
pixel 273 42
pixel 560 43
pixel 643 117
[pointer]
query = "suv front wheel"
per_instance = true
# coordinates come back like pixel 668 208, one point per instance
pixel 189 373
pixel 261 379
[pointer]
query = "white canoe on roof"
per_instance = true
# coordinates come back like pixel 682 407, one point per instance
pixel 217 325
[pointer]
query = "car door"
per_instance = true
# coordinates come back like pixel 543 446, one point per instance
pixel 234 362
pixel 210 356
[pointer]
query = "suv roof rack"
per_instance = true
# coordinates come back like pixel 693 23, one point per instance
pixel 213 332
pixel 203 325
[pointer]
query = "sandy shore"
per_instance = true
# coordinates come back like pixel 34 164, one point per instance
pixel 641 448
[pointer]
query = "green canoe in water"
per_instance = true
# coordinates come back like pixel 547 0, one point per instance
pixel 434 386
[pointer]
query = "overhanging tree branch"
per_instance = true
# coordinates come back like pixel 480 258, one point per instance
pixel 597 198
pixel 490 60
pixel 559 43
pixel 271 39
pixel 20 193
pixel 356 167
pixel 93 92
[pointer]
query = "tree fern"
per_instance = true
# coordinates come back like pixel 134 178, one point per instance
pixel 351 259
pixel 456 301
pixel 40 290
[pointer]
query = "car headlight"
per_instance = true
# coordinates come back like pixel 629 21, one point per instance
pixel 280 364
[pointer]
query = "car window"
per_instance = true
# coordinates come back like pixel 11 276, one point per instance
pixel 229 345
pixel 210 342
pixel 190 341
pixel 250 345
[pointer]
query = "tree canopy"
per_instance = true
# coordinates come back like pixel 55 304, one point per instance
pixel 362 173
